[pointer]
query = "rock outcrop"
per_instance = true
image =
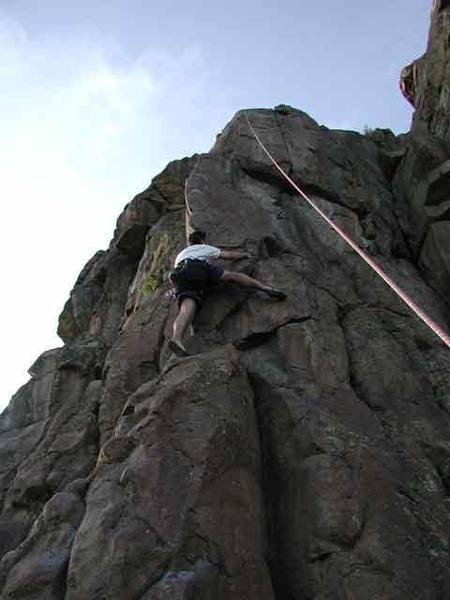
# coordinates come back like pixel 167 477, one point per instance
pixel 303 450
pixel 422 183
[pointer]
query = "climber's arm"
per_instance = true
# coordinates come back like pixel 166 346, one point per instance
pixel 234 254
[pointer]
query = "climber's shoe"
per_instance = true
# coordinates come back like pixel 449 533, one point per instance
pixel 177 349
pixel 278 294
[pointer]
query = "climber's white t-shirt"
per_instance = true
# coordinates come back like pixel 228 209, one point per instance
pixel 198 252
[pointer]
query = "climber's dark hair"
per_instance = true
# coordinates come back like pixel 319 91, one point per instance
pixel 197 237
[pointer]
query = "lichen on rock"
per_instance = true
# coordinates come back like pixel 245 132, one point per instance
pixel 157 269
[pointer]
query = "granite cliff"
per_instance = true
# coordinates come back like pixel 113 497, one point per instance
pixel 303 450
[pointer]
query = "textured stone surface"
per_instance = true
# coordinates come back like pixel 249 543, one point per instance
pixel 422 183
pixel 432 98
pixel 180 478
pixel 302 452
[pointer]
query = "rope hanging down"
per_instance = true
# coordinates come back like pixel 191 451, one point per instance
pixel 390 282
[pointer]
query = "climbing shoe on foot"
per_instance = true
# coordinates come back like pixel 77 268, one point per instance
pixel 278 294
pixel 177 350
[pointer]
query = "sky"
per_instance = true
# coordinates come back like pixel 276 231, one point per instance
pixel 97 96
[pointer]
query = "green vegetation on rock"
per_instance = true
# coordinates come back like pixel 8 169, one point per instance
pixel 154 276
pixel 67 326
pixel 150 284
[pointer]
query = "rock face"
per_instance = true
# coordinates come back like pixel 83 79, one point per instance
pixel 303 450
pixel 422 182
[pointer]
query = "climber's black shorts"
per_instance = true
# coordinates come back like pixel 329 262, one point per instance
pixel 192 277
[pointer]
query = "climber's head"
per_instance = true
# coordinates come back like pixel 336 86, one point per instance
pixel 197 237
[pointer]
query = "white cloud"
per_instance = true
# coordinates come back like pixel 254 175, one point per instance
pixel 84 129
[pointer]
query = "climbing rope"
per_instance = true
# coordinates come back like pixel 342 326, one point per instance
pixel 390 282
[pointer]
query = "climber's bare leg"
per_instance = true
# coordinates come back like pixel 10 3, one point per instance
pixel 243 280
pixel 182 323
pixel 249 282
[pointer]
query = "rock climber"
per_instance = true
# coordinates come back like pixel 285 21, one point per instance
pixel 195 269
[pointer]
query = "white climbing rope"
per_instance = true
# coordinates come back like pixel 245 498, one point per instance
pixel 437 329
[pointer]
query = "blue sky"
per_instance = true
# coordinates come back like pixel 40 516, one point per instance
pixel 97 96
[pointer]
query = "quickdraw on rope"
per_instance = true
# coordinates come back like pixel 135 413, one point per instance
pixel 390 282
